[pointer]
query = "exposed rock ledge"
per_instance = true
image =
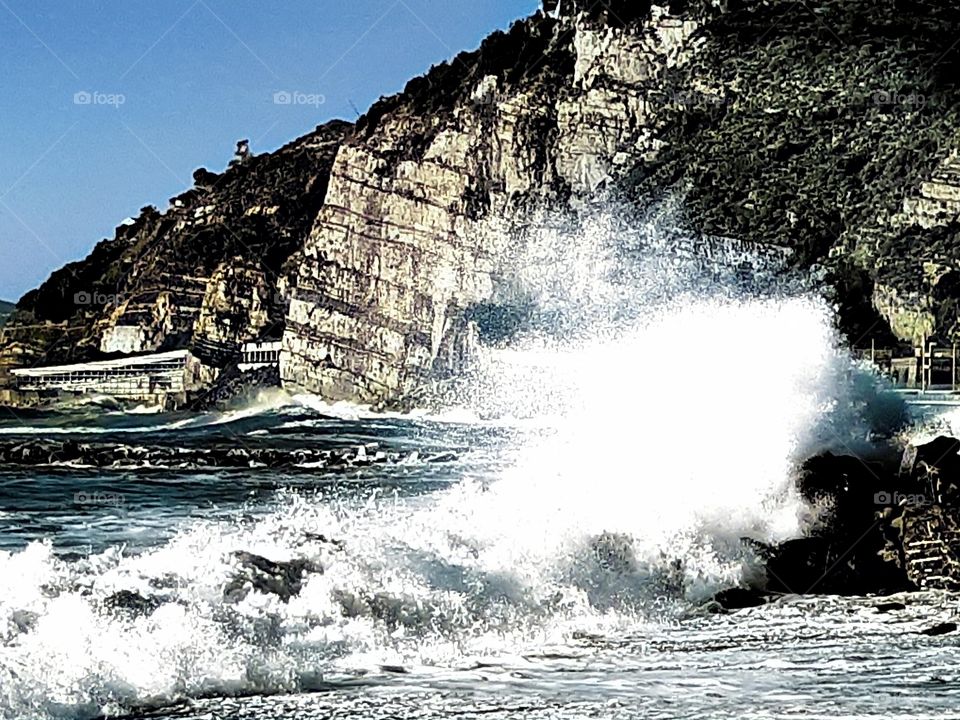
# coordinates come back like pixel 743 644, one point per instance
pixel 44 453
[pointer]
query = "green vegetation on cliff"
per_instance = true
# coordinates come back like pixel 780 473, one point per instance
pixel 807 125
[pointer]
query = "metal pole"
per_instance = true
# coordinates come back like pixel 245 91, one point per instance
pixel 923 365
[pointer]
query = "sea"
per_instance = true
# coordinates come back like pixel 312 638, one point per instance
pixel 546 546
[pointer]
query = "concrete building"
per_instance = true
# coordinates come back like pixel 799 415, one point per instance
pixel 159 378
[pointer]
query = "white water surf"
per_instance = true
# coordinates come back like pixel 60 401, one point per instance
pixel 669 433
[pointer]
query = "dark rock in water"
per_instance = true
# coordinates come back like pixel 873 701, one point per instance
pixel 891 528
pixel 890 607
pixel 941 629
pixel 441 457
pixel 739 598
pixel 167 581
pixel 283 579
pixel 131 603
pixel 832 476
pixel 849 551
pixel 835 566
pixel 395 669
pixel 321 538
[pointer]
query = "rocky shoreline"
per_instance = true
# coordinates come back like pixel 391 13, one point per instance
pixel 373 251
pixel 885 528
pixel 237 455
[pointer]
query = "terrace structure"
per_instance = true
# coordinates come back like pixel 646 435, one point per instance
pixel 159 378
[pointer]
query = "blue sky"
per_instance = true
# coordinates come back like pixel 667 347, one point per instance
pixel 109 105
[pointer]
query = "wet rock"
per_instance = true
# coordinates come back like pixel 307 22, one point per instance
pixel 131 604
pixel 889 607
pixel 321 538
pixel 940 629
pixel 890 527
pixel 740 598
pixel 835 566
pixel 395 669
pixel 848 551
pixel 108 455
pixel 283 579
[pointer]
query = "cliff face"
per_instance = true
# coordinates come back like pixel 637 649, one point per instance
pixel 830 127
pixel 431 195
pixel 826 128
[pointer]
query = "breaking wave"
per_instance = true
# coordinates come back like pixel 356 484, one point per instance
pixel 661 433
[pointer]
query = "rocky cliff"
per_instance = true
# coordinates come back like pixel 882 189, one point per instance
pixel 826 128
pixel 202 275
